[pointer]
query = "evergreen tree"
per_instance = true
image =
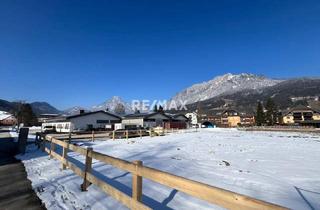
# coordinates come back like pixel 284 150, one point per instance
pixel 26 116
pixel 271 114
pixel 155 108
pixel 260 118
pixel 160 109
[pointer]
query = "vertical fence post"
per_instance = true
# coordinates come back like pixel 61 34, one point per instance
pixel 93 135
pixel 140 133
pixel 137 182
pixel 42 143
pixel 88 168
pixel 37 140
pixel 127 134
pixel 69 140
pixel 65 156
pixel 52 146
pixel 113 134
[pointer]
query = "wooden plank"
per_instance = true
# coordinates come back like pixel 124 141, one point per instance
pixel 78 149
pixel 82 136
pixel 117 194
pixel 137 182
pixel 72 147
pixel 55 155
pixel 218 196
pixel 76 169
pixel 59 142
pixel 119 163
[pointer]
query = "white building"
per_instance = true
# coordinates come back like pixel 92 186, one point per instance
pixel 84 121
pixel 193 117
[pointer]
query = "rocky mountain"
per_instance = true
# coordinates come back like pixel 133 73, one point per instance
pixel 225 84
pixel 285 94
pixel 112 104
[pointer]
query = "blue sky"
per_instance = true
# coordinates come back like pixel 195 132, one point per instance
pixel 82 52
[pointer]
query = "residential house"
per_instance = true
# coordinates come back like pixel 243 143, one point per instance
pixel 145 120
pixel 177 121
pixel 7 119
pixel 302 115
pixel 221 118
pixel 84 121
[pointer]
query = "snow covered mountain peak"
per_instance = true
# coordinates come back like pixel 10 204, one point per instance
pixel 112 103
pixel 74 110
pixel 224 84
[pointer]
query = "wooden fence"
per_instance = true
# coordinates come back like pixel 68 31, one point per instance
pixel 214 195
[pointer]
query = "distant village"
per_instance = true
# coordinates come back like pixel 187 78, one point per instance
pixel 299 115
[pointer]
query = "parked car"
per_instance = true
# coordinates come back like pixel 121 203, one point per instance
pixel 49 129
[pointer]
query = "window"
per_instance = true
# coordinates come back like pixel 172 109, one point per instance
pixel 102 121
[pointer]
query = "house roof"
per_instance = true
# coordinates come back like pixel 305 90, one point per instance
pixel 301 108
pixel 219 112
pixel 5 116
pixel 95 112
pixel 179 115
pixel 144 115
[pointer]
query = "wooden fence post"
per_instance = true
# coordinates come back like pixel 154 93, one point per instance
pixel 37 140
pixel 65 156
pixel 92 135
pixel 140 133
pixel 88 168
pixel 127 134
pixel 43 143
pixel 113 134
pixel 52 147
pixel 137 182
pixel 69 141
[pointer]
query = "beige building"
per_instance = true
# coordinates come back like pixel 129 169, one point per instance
pixel 301 115
pixel 222 118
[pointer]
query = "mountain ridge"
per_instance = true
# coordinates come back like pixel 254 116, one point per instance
pixel 223 84
pixel 225 91
pixel 285 94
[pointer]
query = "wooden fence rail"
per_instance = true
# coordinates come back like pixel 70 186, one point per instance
pixel 211 194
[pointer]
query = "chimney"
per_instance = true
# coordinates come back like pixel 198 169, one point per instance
pixel 81 111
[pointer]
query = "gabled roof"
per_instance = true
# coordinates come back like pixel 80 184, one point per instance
pixel 301 108
pixel 5 116
pixel 95 112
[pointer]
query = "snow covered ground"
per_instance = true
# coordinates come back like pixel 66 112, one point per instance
pixel 277 167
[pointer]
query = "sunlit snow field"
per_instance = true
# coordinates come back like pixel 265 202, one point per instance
pixel 278 167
